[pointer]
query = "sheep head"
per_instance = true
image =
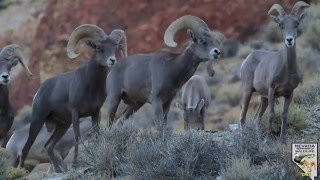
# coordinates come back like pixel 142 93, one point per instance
pixel 288 22
pixel 105 46
pixel 9 57
pixel 205 44
pixel 193 116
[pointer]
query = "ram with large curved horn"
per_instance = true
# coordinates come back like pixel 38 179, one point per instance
pixel 10 55
pixel 156 78
pixel 274 74
pixel 64 99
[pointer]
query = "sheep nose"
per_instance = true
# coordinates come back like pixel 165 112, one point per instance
pixel 216 51
pixel 113 60
pixel 5 76
pixel 289 39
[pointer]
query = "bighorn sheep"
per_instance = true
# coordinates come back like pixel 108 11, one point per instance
pixel 64 99
pixel 37 151
pixel 194 101
pixel 157 77
pixel 274 74
pixel 9 57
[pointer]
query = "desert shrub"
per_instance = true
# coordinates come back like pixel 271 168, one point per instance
pixel 297 120
pixel 244 51
pixel 308 94
pixel 144 154
pixel 105 151
pixel 262 159
pixel 238 169
pixel 15 173
pixel 6 171
pixel 309 60
pixel 312 35
pixel 311 28
pixel 271 33
pixel 229 48
pixel 4 157
pixel 229 93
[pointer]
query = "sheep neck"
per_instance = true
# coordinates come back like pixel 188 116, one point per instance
pixel 4 98
pixel 291 60
pixel 96 71
pixel 186 65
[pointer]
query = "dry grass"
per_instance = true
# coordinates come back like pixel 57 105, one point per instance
pixel 142 154
pixel 229 94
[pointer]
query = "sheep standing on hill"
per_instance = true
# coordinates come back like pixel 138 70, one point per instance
pixel 64 99
pixel 157 77
pixel 9 57
pixel 274 74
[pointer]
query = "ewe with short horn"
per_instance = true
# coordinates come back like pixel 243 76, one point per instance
pixel 274 74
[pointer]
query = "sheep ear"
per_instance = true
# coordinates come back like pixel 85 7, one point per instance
pixel 200 104
pixel 274 19
pixel 180 106
pixel 302 16
pixel 91 44
pixel 192 35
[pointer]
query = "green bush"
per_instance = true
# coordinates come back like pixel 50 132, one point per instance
pixel 6 171
pixel 15 173
pixel 4 157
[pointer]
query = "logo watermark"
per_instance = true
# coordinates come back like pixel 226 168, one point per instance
pixel 305 156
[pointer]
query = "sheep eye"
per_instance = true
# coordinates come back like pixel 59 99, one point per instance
pixel 281 25
pixel 201 41
pixel 297 24
pixel 98 48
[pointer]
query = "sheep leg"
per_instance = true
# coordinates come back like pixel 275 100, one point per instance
pixel 96 118
pixel 271 103
pixel 262 108
pixel 284 117
pixel 246 100
pixel 34 130
pixel 130 111
pixel 158 114
pixel 57 163
pixel 166 108
pixel 113 102
pixel 76 129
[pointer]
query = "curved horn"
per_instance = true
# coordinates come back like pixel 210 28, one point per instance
pixel 120 37
pixel 13 51
pixel 279 8
pixel 297 7
pixel 192 22
pixel 81 32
